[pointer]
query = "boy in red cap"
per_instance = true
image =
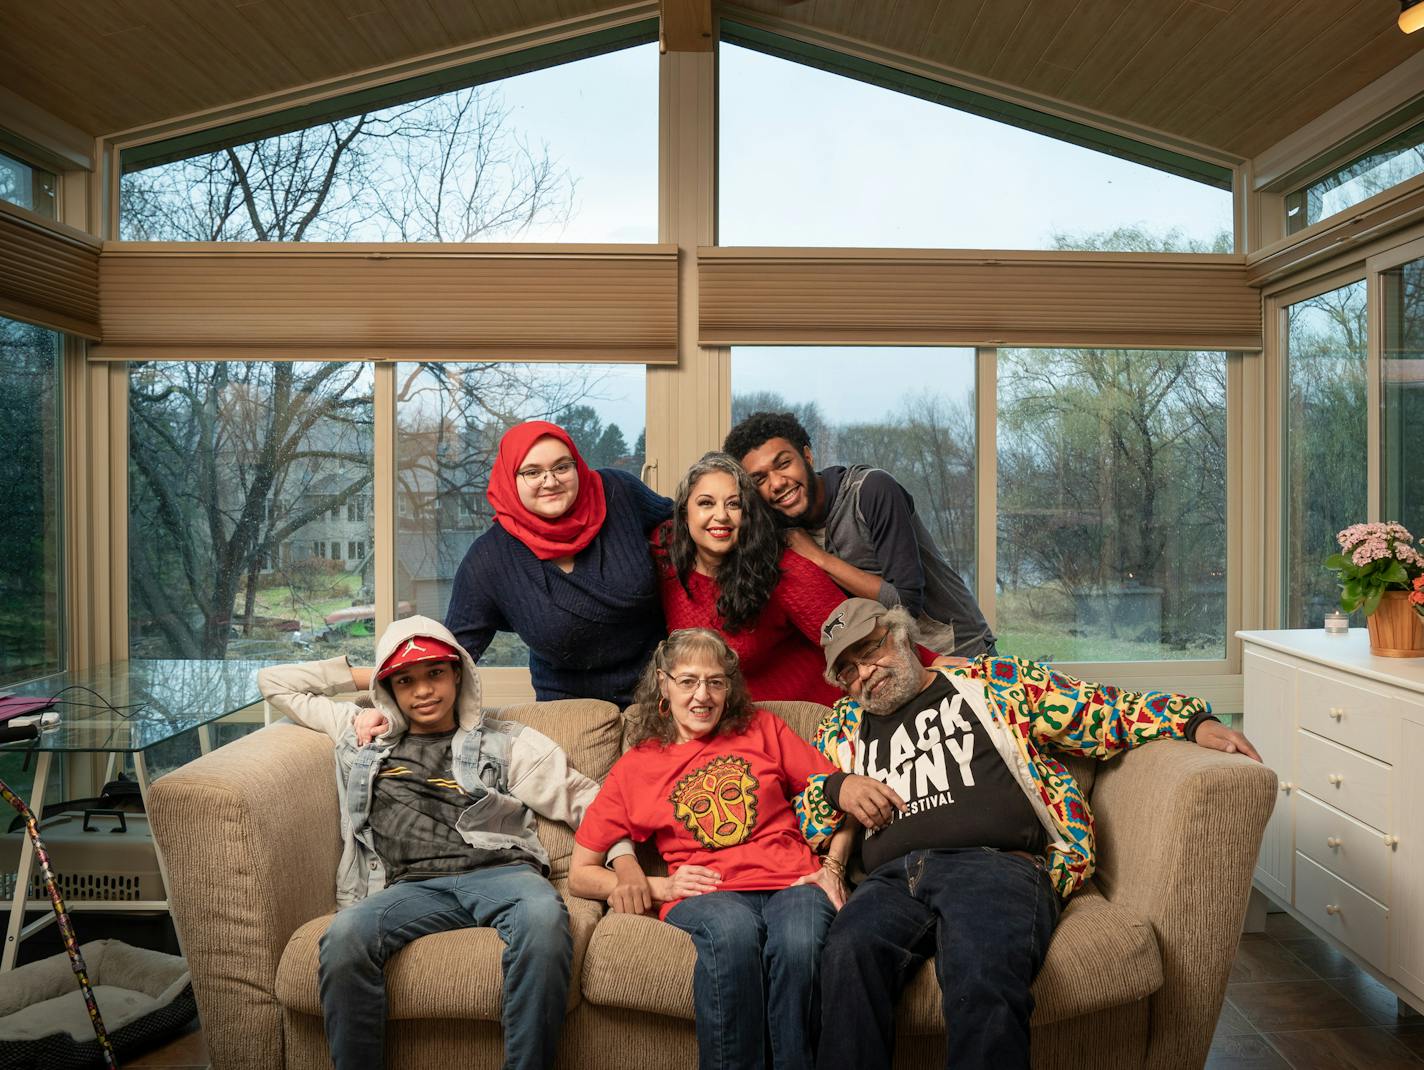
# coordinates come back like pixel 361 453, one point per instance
pixel 439 833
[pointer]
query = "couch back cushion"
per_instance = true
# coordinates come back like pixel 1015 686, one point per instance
pixel 803 717
pixel 591 733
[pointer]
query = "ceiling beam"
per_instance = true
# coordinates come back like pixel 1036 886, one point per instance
pixel 685 26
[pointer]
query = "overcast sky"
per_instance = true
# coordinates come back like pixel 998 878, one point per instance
pixel 812 158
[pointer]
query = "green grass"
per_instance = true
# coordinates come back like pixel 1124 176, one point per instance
pixel 309 603
pixel 1049 644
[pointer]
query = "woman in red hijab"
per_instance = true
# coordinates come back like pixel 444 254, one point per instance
pixel 565 567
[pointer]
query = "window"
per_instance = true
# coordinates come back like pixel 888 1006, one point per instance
pixel 31 604
pixel 565 153
pixel 875 157
pixel 449 419
pixel 209 444
pixel 1403 392
pixel 913 416
pixel 1112 504
pixel 1386 165
pixel 27 186
pixel 1326 446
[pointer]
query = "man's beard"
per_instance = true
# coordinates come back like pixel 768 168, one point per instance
pixel 904 679
pixel 808 494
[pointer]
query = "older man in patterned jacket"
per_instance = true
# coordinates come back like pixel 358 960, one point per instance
pixel 975 831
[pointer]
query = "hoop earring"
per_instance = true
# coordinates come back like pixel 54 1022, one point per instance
pixel 664 707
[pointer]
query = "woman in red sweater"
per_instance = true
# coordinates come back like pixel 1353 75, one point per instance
pixel 723 564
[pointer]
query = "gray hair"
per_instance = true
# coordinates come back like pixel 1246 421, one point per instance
pixel 904 632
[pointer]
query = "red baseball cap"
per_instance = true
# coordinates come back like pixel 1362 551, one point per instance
pixel 415 650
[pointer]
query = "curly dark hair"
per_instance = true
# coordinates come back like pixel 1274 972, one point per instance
pixel 752 568
pixel 762 427
pixel 682 646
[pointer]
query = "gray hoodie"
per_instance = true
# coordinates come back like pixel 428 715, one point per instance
pixel 511 771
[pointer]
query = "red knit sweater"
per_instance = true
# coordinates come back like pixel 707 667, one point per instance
pixel 780 651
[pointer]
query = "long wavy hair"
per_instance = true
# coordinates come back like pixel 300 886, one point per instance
pixel 751 570
pixel 689 644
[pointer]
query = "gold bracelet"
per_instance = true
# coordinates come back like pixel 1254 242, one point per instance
pixel 835 865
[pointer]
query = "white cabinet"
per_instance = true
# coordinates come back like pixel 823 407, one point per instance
pixel 1269 689
pixel 1344 849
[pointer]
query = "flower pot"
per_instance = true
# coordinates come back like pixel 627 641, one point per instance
pixel 1396 631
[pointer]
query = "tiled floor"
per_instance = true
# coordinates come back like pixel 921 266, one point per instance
pixel 1293 1002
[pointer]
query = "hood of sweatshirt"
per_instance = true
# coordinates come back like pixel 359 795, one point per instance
pixel 467 704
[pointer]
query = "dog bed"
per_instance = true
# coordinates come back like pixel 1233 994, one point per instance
pixel 144 996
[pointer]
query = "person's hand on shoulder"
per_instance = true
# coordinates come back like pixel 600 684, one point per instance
pixel 369 725
pixel 1216 736
pixel 948 661
pixel 799 541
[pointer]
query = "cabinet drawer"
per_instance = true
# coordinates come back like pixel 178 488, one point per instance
pixel 1343 710
pixel 1348 849
pixel 1343 911
pixel 1350 782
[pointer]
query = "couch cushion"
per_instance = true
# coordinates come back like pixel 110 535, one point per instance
pixel 591 733
pixel 639 963
pixel 455 974
pixel 803 717
pixel 1101 956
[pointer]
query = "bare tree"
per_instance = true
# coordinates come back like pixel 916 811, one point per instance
pixel 230 461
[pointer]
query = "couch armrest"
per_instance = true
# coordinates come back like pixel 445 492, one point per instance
pixel 250 836
pixel 1179 828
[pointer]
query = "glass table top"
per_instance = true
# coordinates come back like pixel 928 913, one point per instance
pixel 133 705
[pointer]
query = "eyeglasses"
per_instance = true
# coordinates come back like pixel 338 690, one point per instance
pixel 716 685
pixel 849 671
pixel 535 476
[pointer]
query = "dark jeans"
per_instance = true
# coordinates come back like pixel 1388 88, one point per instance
pixel 513 899
pixel 757 975
pixel 984 915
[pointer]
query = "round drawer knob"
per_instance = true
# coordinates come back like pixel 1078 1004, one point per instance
pixel 1336 779
pixel 1332 841
pixel 1336 713
pixel 1331 909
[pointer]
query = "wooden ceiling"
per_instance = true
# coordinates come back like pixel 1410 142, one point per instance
pixel 1234 75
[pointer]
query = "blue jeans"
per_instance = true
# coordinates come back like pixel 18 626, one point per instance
pixel 513 899
pixel 757 975
pixel 985 916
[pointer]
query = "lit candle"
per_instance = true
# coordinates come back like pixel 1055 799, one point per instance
pixel 1336 623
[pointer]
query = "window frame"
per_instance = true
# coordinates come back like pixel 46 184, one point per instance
pixel 687 406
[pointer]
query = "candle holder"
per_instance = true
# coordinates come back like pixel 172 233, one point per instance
pixel 1336 623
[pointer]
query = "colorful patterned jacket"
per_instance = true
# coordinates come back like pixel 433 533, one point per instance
pixel 1032 713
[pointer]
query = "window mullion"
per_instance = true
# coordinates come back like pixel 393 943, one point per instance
pixel 986 468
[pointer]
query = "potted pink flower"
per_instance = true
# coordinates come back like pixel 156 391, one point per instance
pixel 1382 574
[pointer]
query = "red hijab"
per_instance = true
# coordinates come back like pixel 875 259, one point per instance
pixel 547 539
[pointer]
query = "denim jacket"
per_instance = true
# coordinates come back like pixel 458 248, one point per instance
pixel 511 771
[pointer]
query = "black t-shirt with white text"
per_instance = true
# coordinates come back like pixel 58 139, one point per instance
pixel 934 752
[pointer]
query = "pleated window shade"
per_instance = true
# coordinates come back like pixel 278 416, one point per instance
pixel 49 273
pixel 269 301
pixel 974 298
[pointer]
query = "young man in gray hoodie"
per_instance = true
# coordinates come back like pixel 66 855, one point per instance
pixel 860 526
pixel 438 829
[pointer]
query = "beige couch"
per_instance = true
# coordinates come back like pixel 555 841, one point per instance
pixel 1134 977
